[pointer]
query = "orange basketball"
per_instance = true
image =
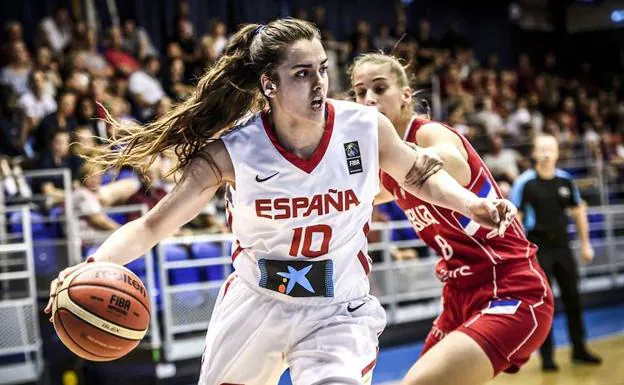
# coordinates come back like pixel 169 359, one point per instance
pixel 101 311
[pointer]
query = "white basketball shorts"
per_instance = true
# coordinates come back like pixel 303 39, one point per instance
pixel 253 338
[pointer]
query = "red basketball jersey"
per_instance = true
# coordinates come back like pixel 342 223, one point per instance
pixel 468 258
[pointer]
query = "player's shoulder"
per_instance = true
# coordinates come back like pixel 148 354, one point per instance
pixel 525 177
pixel 562 174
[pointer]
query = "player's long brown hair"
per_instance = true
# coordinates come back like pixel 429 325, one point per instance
pixel 228 91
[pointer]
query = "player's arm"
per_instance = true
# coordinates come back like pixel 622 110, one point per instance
pixel 413 167
pixel 197 186
pixel 450 148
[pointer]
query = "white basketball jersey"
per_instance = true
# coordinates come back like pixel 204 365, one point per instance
pixel 303 211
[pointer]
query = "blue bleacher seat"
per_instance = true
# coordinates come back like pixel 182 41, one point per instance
pixel 209 250
pixel 596 225
pixel 121 218
pixel 190 299
pixel 180 276
pixel 56 222
pixel 38 225
pixel 109 175
pixel 46 256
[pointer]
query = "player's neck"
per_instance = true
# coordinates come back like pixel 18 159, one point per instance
pixel 402 124
pixel 295 135
pixel 545 171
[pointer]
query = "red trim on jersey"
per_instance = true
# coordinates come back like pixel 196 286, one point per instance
pixel 236 252
pixel 307 165
pixel 366 229
pixel 364 261
pixel 228 214
pixel 227 286
pixel 369 367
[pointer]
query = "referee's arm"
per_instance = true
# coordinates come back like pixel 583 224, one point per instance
pixel 517 194
pixel 579 213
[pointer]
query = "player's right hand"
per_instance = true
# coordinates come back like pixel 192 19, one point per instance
pixel 495 214
pixel 56 283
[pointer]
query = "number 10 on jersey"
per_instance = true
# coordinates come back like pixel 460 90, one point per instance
pixel 308 233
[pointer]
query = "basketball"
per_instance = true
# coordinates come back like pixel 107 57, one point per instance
pixel 101 311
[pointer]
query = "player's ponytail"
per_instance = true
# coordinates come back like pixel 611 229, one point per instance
pixel 228 91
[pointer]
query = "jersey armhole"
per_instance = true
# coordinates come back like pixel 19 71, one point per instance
pixel 229 152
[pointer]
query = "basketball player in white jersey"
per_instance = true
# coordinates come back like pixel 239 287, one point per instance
pixel 304 174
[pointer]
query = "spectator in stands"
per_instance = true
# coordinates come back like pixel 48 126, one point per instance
pixel 100 90
pixel 319 17
pixel 361 39
pixel 145 88
pixel 12 34
pixel 16 73
pixel 384 41
pixel 488 117
pixel 185 37
pixel 57 30
pixel 9 136
pixel 150 192
pixel 90 59
pixel 516 119
pixel 60 120
pixel 427 45
pixel 502 162
pixel 84 142
pixel 207 56
pixel 78 82
pixel 456 118
pixel 86 116
pixel 44 62
pixel 56 156
pixel 92 219
pixel 218 36
pixel 542 196
pixel 525 73
pixel 13 181
pixel 537 118
pixel 136 41
pixel 35 104
pixel 77 42
pixel 122 61
pixel 175 86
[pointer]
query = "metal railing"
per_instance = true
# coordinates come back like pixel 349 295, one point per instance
pixel 21 357
pixel 55 243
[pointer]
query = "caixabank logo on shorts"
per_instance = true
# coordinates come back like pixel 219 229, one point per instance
pixel 354 157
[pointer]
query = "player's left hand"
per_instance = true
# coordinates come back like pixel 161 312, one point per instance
pixel 495 214
pixel 587 253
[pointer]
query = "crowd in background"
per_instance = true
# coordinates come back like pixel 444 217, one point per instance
pixel 52 94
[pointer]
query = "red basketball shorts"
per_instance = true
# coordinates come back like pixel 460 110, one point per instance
pixel 509 318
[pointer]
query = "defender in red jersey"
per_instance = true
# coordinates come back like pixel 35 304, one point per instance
pixel 497 304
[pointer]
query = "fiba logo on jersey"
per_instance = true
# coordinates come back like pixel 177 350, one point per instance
pixel 352 149
pixel 354 160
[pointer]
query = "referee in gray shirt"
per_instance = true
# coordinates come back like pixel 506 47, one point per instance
pixel 544 197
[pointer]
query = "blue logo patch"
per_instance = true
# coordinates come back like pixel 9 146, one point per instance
pixel 295 276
